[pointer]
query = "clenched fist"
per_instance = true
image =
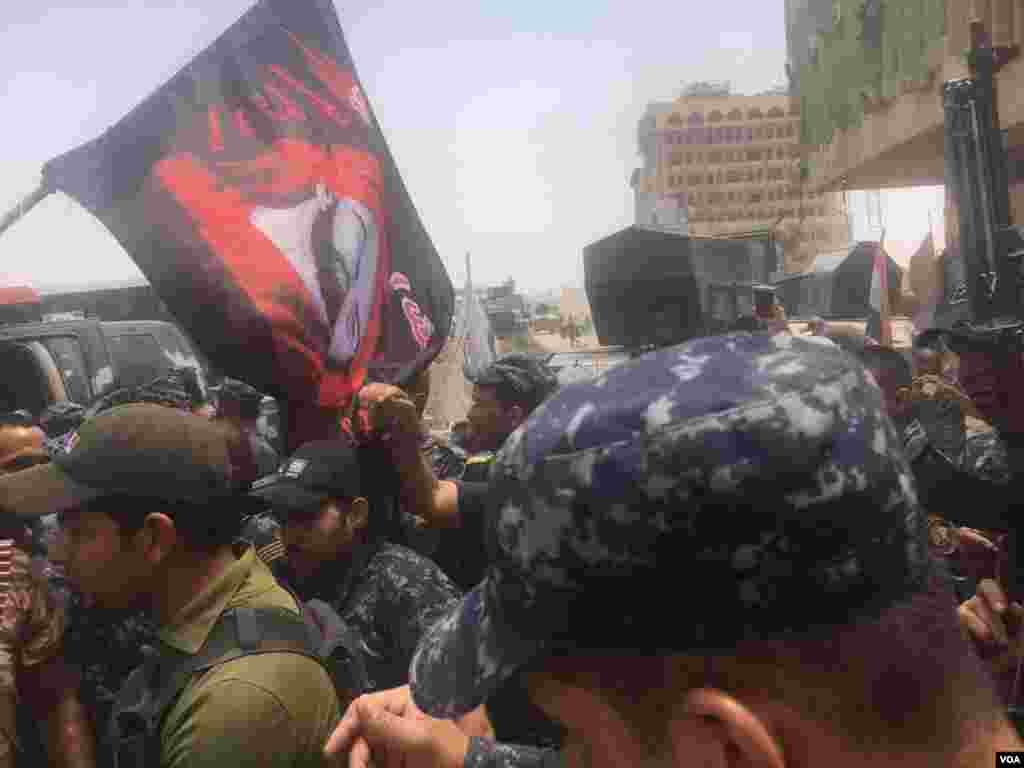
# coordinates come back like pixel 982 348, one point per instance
pixel 390 415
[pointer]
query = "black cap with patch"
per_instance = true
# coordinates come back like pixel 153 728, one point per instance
pixel 528 377
pixel 314 473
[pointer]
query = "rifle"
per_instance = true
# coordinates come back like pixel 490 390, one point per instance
pixel 992 250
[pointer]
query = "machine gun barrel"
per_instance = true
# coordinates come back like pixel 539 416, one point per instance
pixel 976 173
pixel 970 176
pixel 992 251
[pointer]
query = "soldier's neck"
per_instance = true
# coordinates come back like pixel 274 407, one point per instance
pixel 184 578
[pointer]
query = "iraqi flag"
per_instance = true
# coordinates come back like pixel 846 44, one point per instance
pixel 879 320
pixel 257 194
pixel 933 287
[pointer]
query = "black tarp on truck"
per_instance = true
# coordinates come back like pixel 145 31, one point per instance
pixel 652 287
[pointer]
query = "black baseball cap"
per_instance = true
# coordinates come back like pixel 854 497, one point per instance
pixel 316 472
pixel 531 379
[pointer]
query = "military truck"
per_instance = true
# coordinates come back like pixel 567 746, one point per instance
pixel 80 360
pixel 650 287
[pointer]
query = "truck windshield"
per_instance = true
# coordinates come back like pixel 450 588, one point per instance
pixel 67 354
pixel 138 359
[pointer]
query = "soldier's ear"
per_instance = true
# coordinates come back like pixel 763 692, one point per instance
pixel 157 537
pixel 728 731
pixel 518 414
pixel 358 514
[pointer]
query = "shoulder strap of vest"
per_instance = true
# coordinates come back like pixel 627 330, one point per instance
pixel 342 646
pixel 135 723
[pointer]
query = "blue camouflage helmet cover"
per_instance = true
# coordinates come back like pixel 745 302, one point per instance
pixel 751 482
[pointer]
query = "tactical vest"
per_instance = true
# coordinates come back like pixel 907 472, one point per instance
pixel 151 690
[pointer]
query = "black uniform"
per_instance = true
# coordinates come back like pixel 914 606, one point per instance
pixel 461 552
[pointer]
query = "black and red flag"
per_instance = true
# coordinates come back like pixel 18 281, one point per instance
pixel 257 194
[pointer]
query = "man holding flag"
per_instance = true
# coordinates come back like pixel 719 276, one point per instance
pixel 256 192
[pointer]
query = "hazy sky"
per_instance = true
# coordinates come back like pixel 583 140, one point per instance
pixel 514 124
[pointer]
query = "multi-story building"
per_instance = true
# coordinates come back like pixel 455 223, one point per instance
pixel 731 164
pixel 883 125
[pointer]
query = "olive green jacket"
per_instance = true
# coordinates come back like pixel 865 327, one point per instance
pixel 269 709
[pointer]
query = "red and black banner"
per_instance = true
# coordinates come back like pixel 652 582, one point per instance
pixel 257 194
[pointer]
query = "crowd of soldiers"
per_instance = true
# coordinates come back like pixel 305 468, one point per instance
pixel 753 549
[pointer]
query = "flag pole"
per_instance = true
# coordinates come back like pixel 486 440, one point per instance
pixel 465 299
pixel 886 310
pixel 25 205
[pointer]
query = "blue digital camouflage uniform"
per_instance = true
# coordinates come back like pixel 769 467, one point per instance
pixel 978 486
pixel 939 416
pixel 102 648
pixel 390 596
pixel 485 753
pixel 761 468
pixel 989 456
pixel 998 461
